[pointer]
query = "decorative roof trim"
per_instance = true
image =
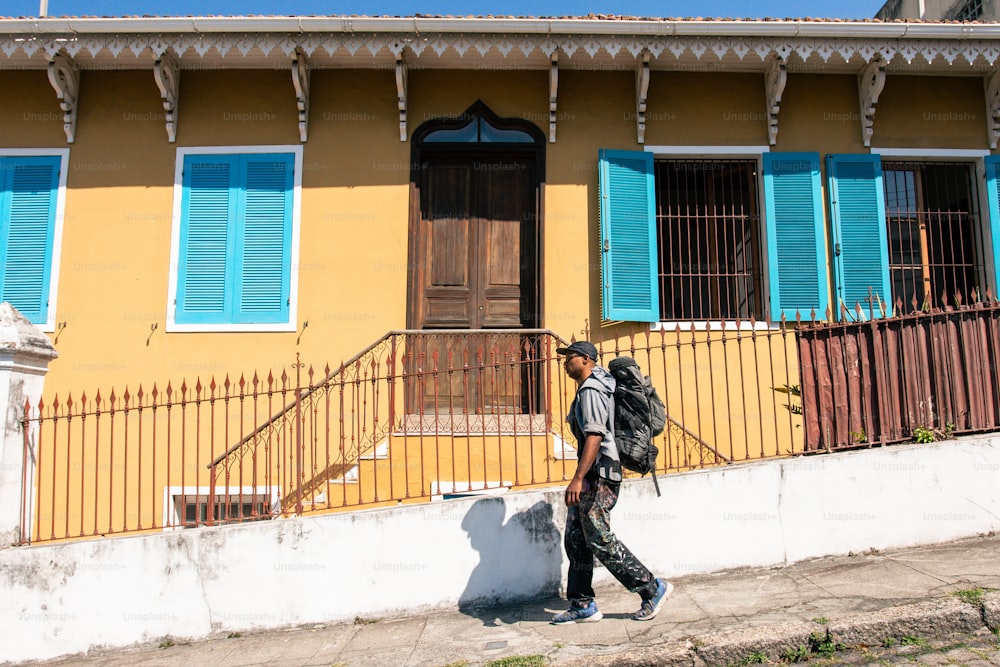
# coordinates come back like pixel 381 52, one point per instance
pixel 581 49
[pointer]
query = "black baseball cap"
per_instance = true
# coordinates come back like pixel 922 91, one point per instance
pixel 581 347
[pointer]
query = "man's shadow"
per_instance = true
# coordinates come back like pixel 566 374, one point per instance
pixel 519 560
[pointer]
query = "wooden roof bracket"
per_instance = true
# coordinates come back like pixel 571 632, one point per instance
pixel 401 96
pixel 300 80
pixel 871 81
pixel 65 79
pixel 774 85
pixel 641 93
pixel 992 84
pixel 167 74
pixel 553 93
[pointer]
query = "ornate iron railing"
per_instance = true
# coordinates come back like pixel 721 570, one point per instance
pixel 418 415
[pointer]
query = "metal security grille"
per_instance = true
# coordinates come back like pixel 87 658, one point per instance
pixel 933 218
pixel 970 11
pixel 709 228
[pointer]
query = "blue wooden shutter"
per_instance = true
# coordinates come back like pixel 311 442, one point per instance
pixel 208 218
pixel 796 257
pixel 629 280
pixel 861 251
pixel 29 188
pixel 263 257
pixel 993 197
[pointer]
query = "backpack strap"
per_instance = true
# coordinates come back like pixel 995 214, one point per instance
pixel 652 471
pixel 649 452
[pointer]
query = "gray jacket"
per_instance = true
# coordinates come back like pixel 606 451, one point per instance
pixel 592 412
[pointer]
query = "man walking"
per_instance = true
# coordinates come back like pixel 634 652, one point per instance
pixel 593 492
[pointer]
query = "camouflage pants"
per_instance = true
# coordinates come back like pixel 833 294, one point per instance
pixel 588 535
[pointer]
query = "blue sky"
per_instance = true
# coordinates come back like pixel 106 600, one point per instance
pixel 856 9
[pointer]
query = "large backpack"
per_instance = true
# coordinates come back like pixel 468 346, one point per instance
pixel 639 416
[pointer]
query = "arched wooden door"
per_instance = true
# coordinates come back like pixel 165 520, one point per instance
pixel 474 253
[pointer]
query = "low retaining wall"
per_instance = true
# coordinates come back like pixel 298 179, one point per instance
pixel 67 598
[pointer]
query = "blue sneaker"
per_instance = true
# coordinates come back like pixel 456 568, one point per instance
pixel 588 614
pixel 651 607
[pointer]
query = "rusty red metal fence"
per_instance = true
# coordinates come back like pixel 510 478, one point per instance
pixel 924 375
pixel 417 416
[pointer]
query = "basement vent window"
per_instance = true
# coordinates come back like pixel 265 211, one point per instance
pixel 190 508
pixel 448 490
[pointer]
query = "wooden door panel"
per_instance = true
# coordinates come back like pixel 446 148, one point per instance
pixel 443 311
pixel 498 312
pixel 502 253
pixel 448 251
pixel 505 206
pixel 448 292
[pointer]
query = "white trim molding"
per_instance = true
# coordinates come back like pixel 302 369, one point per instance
pixel 714 325
pixel 932 153
pixel 466 43
pixel 712 151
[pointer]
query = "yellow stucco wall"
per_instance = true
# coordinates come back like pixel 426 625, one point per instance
pixel 352 267
pixel 931 112
pixel 353 262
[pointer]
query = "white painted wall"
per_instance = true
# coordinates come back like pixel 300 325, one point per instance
pixel 25 353
pixel 66 598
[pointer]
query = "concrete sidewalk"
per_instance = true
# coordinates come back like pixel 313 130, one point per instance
pixel 715 619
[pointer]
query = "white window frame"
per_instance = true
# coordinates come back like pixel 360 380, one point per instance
pixel 175 235
pixel 49 326
pixel 713 153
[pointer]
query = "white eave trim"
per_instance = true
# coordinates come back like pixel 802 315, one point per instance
pixel 717 151
pixel 970 153
pixel 341 24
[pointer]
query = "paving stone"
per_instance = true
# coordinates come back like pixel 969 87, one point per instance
pixel 991 610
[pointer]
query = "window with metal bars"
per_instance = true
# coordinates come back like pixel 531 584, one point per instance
pixel 970 11
pixel 709 237
pixel 933 223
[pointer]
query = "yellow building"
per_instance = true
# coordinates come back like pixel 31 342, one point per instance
pixel 189 200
